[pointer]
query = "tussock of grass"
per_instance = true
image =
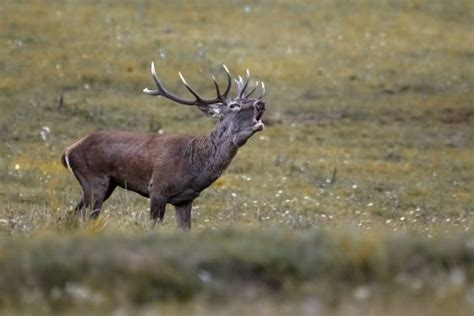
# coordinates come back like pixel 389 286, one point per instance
pixel 111 271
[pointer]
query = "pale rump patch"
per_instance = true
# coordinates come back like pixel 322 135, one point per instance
pixel 68 150
pixel 67 161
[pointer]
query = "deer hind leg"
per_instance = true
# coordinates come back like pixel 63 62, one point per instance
pixel 183 215
pixel 94 192
pixel 102 192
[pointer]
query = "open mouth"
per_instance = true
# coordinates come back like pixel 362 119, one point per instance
pixel 257 122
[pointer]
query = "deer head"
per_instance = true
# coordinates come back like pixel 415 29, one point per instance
pixel 241 116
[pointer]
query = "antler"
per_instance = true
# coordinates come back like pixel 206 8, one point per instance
pixel 242 86
pixel 263 90
pixel 199 101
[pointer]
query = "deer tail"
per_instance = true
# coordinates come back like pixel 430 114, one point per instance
pixel 65 160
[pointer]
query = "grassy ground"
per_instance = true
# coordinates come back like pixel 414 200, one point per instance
pixel 369 121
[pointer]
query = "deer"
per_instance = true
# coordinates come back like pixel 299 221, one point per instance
pixel 167 168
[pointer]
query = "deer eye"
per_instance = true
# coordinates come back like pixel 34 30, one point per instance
pixel 234 106
pixel 259 105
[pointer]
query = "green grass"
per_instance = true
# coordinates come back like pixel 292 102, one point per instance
pixel 368 127
pixel 115 272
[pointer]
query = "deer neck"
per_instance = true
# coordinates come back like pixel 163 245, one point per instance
pixel 213 153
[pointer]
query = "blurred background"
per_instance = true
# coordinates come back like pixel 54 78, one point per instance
pixel 368 123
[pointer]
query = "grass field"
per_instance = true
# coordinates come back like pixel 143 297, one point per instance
pixel 366 163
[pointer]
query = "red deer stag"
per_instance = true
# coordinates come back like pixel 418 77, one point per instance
pixel 169 168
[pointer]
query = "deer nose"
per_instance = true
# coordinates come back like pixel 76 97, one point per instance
pixel 259 105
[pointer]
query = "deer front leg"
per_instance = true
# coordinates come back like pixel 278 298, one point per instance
pixel 183 215
pixel 157 208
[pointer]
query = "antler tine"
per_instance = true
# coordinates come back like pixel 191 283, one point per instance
pixel 217 87
pixel 244 85
pixel 263 90
pixel 163 92
pixel 239 84
pixel 252 91
pixel 229 81
pixel 196 95
pixel 157 82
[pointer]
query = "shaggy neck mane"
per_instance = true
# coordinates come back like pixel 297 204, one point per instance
pixel 213 152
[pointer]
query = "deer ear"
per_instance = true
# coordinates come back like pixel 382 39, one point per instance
pixel 213 110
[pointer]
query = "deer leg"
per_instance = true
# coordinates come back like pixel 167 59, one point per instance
pixel 183 215
pixel 95 192
pixel 79 210
pixel 100 196
pixel 84 203
pixel 157 208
